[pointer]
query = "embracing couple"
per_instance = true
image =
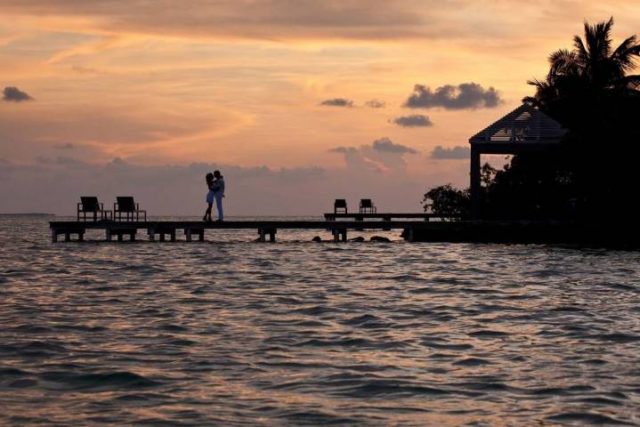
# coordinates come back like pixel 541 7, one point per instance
pixel 215 183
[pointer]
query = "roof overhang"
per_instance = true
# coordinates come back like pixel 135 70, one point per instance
pixel 524 126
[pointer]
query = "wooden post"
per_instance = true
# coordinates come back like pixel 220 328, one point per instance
pixel 408 234
pixel 261 233
pixel 339 234
pixel 201 235
pixel 54 235
pixel 474 175
pixel 187 233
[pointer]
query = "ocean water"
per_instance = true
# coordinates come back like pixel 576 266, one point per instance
pixel 233 332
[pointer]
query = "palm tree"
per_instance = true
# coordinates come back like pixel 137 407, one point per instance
pixel 591 91
pixel 581 79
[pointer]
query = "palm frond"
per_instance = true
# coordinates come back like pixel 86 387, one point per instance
pixel 563 63
pixel 581 51
pixel 598 39
pixel 537 83
pixel 625 53
pixel 531 100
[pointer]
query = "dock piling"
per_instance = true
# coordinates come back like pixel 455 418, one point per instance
pixel 190 231
pixel 262 232
pixel 267 229
pixel 67 231
pixel 340 234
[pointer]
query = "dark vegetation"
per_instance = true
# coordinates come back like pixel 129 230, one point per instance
pixel 594 172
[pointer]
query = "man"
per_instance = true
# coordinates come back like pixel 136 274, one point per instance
pixel 218 193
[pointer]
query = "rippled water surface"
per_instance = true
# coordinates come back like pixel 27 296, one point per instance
pixel 231 332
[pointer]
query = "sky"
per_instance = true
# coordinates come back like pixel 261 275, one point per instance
pixel 297 102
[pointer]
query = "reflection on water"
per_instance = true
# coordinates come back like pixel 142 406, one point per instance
pixel 233 332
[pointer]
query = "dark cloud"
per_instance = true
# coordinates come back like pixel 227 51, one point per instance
pixel 375 103
pixel 337 102
pixel 454 153
pixel 416 120
pixel 463 96
pixel 13 94
pixel 387 146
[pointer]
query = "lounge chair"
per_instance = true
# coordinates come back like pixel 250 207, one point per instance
pixel 367 206
pixel 340 204
pixel 90 205
pixel 127 206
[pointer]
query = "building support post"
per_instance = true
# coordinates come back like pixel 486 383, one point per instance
pixel 474 175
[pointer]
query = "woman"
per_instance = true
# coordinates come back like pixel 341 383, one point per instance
pixel 210 197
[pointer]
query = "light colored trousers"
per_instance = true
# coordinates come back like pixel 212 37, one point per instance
pixel 218 198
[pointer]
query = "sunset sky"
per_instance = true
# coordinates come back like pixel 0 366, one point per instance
pixel 297 102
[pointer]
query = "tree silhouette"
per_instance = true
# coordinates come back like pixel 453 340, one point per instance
pixel 593 174
pixel 582 83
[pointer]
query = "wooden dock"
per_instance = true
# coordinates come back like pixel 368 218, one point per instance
pixel 360 216
pixel 623 235
pixel 170 230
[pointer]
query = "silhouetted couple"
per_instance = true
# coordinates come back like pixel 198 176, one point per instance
pixel 215 183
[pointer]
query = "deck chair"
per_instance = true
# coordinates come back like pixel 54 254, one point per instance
pixel 340 204
pixel 367 206
pixel 90 205
pixel 127 206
